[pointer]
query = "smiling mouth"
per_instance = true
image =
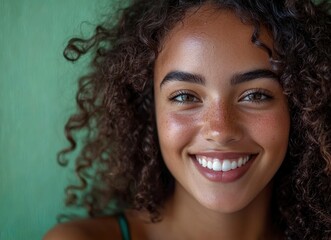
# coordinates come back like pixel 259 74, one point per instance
pixel 223 165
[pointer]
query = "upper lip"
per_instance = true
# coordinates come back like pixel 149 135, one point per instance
pixel 224 155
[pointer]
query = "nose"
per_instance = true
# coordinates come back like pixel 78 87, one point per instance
pixel 221 124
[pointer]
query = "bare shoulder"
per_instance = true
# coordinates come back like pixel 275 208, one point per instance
pixel 86 229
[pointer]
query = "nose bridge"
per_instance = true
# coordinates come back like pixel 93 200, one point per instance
pixel 220 123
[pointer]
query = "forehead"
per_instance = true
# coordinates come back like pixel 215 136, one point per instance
pixel 209 21
pixel 213 33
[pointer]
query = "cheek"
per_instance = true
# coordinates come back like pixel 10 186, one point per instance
pixel 271 131
pixel 175 131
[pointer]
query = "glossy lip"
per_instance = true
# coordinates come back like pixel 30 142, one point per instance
pixel 220 176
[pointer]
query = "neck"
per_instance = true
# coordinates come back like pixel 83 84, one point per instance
pixel 188 219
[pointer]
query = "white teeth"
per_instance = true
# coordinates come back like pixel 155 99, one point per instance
pixel 217 166
pixel 210 165
pixel 224 165
pixel 204 162
pixel 234 165
pixel 240 162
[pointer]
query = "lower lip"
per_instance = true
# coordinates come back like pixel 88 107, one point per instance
pixel 225 177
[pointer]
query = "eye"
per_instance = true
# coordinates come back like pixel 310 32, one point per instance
pixel 256 96
pixel 183 97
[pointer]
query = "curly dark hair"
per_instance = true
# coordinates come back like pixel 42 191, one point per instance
pixel 120 165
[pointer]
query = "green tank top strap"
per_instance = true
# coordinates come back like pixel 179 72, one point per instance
pixel 124 226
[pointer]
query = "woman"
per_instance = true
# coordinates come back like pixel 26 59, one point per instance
pixel 206 120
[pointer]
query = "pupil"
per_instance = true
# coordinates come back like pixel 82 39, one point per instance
pixel 186 98
pixel 257 96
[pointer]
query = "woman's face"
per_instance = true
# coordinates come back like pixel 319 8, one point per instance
pixel 222 118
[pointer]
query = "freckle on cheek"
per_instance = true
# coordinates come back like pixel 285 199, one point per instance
pixel 176 126
pixel 271 127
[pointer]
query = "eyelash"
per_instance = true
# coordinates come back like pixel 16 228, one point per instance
pixel 181 94
pixel 263 95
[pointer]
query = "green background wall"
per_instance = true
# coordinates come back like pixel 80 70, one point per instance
pixel 37 89
pixel 37 95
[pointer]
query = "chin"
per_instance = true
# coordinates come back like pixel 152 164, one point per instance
pixel 234 203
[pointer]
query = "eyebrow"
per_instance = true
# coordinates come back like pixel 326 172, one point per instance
pixel 252 75
pixel 235 79
pixel 184 77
